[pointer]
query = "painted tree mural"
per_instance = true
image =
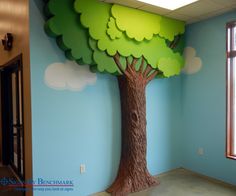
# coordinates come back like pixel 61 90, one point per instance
pixel 133 45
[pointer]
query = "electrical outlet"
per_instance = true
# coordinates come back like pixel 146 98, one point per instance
pixel 200 151
pixel 82 168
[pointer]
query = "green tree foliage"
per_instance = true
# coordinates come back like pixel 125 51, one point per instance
pixel 72 37
pixel 97 33
pixel 133 20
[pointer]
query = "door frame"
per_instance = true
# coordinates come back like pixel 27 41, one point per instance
pixel 8 124
pixel 26 116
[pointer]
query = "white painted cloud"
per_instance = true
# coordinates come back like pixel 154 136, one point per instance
pixel 193 64
pixel 69 76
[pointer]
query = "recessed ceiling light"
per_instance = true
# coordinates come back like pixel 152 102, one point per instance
pixel 169 4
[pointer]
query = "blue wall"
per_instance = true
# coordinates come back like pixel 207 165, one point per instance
pixel 71 128
pixel 204 102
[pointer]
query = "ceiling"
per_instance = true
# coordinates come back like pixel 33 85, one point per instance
pixel 191 13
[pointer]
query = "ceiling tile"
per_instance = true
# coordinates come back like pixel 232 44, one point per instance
pixel 154 9
pixel 199 8
pixel 225 3
pixel 129 3
pixel 178 16
pixel 197 11
pixel 216 13
pixel 192 20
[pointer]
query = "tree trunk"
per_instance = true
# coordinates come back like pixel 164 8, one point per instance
pixel 133 175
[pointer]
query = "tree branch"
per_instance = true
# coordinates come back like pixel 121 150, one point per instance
pixel 127 62
pixel 141 66
pixel 153 75
pixel 134 62
pixel 147 70
pixel 129 67
pixel 175 42
pixel 117 61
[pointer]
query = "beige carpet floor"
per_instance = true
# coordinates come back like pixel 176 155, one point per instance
pixel 181 182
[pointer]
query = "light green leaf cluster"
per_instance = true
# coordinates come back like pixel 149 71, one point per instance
pixel 139 34
pixel 169 66
pixel 104 62
pixel 170 28
pixel 112 29
pixel 94 15
pixel 138 25
pixel 94 31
